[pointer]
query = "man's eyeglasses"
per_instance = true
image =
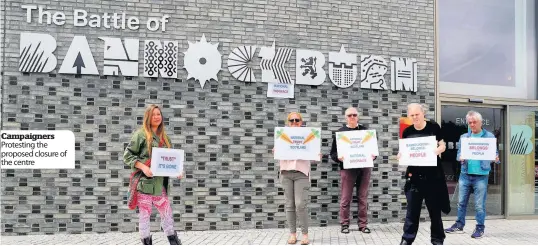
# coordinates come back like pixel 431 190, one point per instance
pixel 352 115
pixel 295 120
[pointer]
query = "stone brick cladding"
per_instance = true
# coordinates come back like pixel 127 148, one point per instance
pixel 225 128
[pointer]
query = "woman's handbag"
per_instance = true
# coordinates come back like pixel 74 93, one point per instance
pixel 132 194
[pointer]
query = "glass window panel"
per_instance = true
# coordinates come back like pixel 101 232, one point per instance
pixel 522 198
pixel 477 41
pixel 489 46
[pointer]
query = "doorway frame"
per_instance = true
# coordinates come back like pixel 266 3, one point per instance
pixel 504 184
pixel 489 102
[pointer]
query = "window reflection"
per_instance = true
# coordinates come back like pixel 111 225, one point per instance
pixel 477 41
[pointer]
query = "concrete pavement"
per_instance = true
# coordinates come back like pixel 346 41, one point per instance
pixel 498 232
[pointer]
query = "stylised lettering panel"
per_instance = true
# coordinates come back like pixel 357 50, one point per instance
pixel 36 53
pixel 343 68
pixel 120 57
pixel 520 140
pixel 160 59
pixel 403 74
pixel 373 70
pixel 238 63
pixel 203 61
pixel 272 64
pixel 309 67
pixel 79 58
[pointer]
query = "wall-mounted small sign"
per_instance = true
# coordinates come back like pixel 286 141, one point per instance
pixel 280 90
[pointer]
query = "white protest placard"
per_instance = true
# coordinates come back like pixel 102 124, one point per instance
pixel 418 151
pixel 167 162
pixel 297 143
pixel 484 149
pixel 357 148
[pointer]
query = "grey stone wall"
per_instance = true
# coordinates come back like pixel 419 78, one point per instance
pixel 225 128
pixel 2 32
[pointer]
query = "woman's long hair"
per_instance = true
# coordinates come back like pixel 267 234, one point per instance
pixel 146 125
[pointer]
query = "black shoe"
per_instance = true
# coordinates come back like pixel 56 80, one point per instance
pixel 344 229
pixel 147 241
pixel 437 242
pixel 364 229
pixel 174 240
pixel 405 242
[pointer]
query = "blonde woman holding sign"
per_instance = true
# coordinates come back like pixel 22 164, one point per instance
pixel 144 189
pixel 295 179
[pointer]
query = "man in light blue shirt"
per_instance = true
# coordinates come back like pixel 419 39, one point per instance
pixel 474 175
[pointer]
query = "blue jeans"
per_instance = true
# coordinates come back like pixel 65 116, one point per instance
pixel 479 184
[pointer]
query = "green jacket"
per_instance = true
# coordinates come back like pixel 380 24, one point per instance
pixel 137 151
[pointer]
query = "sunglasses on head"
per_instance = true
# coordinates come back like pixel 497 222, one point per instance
pixel 295 120
pixel 352 115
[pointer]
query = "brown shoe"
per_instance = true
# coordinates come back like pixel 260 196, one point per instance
pixel 292 239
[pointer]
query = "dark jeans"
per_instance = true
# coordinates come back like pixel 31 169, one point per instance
pixel 415 193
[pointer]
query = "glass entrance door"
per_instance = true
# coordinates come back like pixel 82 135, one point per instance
pixel 453 125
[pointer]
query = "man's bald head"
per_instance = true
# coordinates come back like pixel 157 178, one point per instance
pixel 416 112
pixel 416 106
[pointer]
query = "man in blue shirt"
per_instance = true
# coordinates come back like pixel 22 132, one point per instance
pixel 474 175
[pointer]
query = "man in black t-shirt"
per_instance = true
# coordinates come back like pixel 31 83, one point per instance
pixel 424 183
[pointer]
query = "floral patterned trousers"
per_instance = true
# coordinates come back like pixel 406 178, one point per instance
pixel 162 204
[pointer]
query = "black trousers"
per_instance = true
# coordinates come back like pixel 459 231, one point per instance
pixel 415 193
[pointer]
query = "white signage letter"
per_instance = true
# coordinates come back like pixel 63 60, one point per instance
pixel 164 19
pixel 44 13
pixel 80 15
pixel 153 24
pixel 29 9
pixel 58 18
pixel 133 23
